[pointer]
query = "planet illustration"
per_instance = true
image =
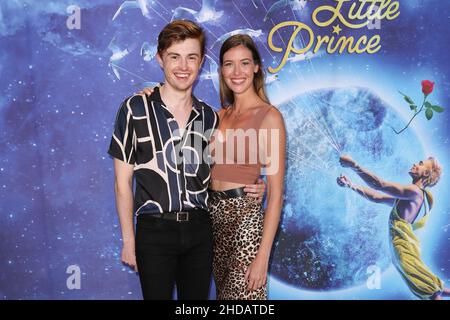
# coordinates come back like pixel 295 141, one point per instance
pixel 330 237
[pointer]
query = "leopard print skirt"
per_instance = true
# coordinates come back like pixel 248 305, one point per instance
pixel 237 229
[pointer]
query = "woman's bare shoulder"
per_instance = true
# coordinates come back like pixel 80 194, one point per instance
pixel 273 115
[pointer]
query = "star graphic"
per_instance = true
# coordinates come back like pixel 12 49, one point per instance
pixel 337 29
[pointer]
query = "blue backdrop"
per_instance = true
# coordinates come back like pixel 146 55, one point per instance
pixel 65 67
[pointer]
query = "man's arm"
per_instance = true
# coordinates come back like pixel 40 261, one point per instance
pixel 396 190
pixel 123 186
pixel 367 193
pixel 256 190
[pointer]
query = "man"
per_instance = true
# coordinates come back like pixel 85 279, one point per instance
pixel 406 202
pixel 160 141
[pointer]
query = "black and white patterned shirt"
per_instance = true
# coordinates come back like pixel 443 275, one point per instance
pixel 170 169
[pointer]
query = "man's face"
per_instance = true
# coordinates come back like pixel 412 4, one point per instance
pixel 421 169
pixel 181 63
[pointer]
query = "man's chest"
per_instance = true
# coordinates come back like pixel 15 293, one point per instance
pixel 181 118
pixel 408 210
pixel 161 133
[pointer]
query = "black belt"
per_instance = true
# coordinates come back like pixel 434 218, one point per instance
pixel 227 194
pixel 179 216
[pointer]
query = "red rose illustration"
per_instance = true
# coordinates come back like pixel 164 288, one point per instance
pixel 430 109
pixel 427 87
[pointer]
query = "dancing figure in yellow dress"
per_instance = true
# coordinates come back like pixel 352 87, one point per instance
pixel 407 202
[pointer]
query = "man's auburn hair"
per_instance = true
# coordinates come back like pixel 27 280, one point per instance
pixel 180 30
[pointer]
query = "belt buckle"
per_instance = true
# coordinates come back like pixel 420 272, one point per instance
pixel 182 216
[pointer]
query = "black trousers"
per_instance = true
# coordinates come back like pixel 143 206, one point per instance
pixel 170 252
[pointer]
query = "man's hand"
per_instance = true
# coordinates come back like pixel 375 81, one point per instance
pixel 147 91
pixel 347 162
pixel 343 181
pixel 129 256
pixel 256 190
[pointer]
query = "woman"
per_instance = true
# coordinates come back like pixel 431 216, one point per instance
pixel 243 235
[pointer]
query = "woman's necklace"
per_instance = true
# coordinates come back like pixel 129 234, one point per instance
pixel 237 114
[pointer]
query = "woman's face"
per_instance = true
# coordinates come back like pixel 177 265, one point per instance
pixel 238 69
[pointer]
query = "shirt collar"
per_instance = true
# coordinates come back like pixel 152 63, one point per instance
pixel 156 96
pixel 195 113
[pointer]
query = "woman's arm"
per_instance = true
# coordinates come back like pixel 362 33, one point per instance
pixel 273 152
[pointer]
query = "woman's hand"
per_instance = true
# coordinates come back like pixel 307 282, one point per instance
pixel 147 91
pixel 256 274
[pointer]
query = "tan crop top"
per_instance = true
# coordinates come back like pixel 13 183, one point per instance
pixel 236 151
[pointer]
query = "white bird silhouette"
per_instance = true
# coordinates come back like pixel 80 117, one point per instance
pixel 297 5
pixel 117 55
pixel 141 4
pixel 252 33
pixel 212 74
pixel 207 13
pixel 148 52
pixel 305 56
pixel 272 78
